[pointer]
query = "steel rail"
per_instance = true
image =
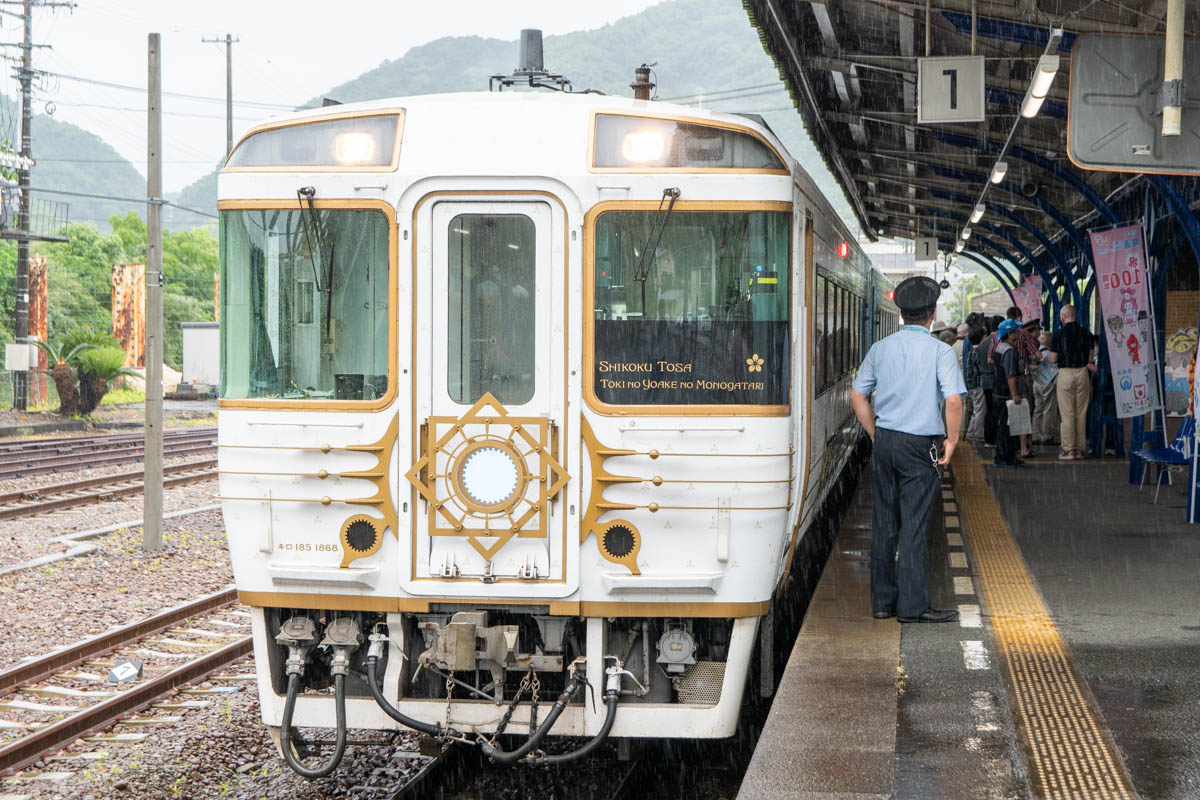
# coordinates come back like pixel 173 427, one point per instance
pixel 36 504
pixel 31 445
pixel 28 749
pixel 74 654
pixel 79 464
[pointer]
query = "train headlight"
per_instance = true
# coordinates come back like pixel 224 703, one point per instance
pixel 354 147
pixel 641 146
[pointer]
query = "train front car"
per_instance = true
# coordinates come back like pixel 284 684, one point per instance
pixel 507 412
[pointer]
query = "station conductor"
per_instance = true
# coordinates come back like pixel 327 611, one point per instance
pixel 918 388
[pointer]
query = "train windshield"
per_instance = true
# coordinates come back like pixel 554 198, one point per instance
pixel 709 322
pixel 304 304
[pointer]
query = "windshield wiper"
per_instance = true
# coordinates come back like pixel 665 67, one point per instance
pixel 646 259
pixel 308 216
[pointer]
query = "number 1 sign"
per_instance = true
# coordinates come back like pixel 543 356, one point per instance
pixel 950 89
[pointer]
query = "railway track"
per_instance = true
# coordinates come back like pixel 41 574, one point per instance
pixel 43 709
pixel 54 497
pixel 48 456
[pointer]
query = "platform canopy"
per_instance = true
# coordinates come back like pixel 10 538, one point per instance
pixel 852 69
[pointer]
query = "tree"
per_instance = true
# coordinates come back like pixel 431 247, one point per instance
pixel 969 285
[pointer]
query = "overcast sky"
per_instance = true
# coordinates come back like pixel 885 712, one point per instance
pixel 289 51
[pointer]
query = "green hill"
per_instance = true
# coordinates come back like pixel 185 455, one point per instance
pixel 718 51
pixel 74 160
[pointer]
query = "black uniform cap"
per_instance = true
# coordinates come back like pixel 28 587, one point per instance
pixel 916 294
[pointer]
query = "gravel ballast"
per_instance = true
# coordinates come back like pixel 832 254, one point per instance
pixel 46 607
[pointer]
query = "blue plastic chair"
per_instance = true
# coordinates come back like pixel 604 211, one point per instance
pixel 1177 456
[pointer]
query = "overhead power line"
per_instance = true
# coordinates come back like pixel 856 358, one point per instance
pixel 135 200
pixel 182 95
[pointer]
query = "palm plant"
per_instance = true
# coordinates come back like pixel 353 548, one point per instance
pixel 63 359
pixel 98 367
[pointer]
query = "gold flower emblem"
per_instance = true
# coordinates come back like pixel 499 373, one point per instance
pixel 754 363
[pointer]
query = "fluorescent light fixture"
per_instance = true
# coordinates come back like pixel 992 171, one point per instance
pixel 958 248
pixel 977 214
pixel 999 171
pixel 353 147
pixel 512 246
pixel 966 233
pixel 640 146
pixel 1043 76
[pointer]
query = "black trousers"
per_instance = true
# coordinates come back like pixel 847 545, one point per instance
pixel 905 484
pixel 1006 443
pixel 989 422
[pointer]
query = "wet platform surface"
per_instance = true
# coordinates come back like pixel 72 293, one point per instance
pixel 1073 672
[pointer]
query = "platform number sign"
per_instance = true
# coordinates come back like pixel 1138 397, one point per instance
pixel 927 248
pixel 950 89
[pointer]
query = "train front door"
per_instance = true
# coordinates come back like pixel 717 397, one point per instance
pixel 492 466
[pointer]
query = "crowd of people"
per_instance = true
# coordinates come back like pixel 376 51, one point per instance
pixel 1007 363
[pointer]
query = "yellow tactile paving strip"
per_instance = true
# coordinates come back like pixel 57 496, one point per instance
pixel 1070 755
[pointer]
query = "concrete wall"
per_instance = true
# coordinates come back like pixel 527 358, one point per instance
pixel 201 352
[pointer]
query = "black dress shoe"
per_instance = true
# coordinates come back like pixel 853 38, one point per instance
pixel 883 614
pixel 933 615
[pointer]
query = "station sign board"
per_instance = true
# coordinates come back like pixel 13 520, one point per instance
pixel 926 248
pixel 950 89
pixel 1115 117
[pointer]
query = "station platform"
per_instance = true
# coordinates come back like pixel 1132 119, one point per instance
pixel 1073 672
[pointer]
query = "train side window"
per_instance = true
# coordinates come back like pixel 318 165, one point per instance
pixel 490 345
pixel 822 333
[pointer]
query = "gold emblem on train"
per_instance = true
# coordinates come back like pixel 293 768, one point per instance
pixel 754 363
pixel 488 476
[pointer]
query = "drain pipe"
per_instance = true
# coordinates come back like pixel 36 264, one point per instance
pixel 1172 88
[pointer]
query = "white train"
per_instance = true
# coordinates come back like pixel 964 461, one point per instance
pixel 521 393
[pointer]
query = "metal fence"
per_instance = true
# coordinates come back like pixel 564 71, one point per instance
pixel 42 394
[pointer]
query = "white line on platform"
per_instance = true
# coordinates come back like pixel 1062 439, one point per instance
pixel 954 539
pixel 958 560
pixel 969 616
pixel 975 655
pixel 963 585
pixel 951 521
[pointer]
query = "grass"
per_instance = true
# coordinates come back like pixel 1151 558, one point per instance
pixel 123 395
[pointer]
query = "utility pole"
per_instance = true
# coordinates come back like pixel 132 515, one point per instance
pixel 21 382
pixel 153 480
pixel 25 75
pixel 229 42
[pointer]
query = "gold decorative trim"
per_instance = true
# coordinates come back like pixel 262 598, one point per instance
pixel 382 499
pixel 445 446
pixel 561 608
pixel 294 123
pixel 709 123
pixel 389 396
pixel 589 288
pixel 627 559
pixel 601 479
pixel 600 608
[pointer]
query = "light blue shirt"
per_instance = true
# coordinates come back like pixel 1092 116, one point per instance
pixel 911 373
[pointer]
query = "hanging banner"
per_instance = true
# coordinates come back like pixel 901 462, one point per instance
pixel 1119 255
pixel 1028 298
pixel 1177 371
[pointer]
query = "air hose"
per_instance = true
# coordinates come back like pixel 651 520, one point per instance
pixel 373 656
pixel 495 753
pixel 610 700
pixel 339 749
